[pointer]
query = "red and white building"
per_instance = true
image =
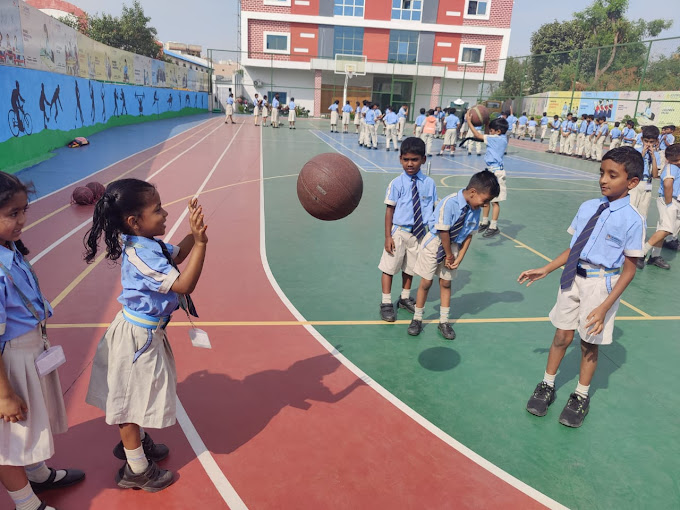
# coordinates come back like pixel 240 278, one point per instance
pixel 418 51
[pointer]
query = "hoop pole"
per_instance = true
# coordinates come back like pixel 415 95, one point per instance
pixel 344 90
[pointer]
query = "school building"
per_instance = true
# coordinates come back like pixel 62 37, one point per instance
pixel 419 52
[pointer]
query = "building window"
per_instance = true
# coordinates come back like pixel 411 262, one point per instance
pixel 348 41
pixel 407 9
pixel 275 42
pixel 478 9
pixel 349 8
pixel 403 47
pixel 472 55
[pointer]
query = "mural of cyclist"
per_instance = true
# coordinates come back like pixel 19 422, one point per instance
pixel 17 105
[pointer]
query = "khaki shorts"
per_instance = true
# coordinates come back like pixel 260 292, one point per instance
pixel 230 109
pixel 404 256
pixel 426 266
pixel 669 217
pixel 291 116
pixel 503 195
pixel 575 303
pixel 450 137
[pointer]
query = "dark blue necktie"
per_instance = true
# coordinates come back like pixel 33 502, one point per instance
pixel 649 167
pixel 453 232
pixel 185 301
pixel 418 227
pixel 569 272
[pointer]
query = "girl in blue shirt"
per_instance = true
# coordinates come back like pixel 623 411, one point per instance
pixel 31 406
pixel 133 373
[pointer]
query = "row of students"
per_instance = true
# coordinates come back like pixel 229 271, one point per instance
pixel 262 108
pixel 133 376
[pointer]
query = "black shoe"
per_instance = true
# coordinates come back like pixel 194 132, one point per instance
pixel 483 227
pixel 575 411
pixel 673 244
pixel 415 327
pixel 447 331
pixel 154 479
pixel 640 263
pixel 407 304
pixel 153 451
pixel 375 148
pixel 72 477
pixel 658 262
pixel 387 312
pixel 543 396
pixel 387 150
pixel 490 232
pixel 439 154
pixel 479 155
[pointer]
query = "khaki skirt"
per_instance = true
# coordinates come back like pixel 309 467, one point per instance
pixel 30 441
pixel 133 376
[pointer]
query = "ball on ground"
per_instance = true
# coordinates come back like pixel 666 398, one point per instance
pixel 82 195
pixel 329 186
pixel 97 189
pixel 479 115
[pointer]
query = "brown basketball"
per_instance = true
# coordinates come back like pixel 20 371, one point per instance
pixel 82 196
pixel 329 186
pixel 479 115
pixel 97 189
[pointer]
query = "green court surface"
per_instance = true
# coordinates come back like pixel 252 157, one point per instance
pixel 476 387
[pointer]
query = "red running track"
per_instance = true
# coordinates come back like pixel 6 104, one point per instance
pixel 285 422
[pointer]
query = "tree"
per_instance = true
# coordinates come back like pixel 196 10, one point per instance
pixel 130 32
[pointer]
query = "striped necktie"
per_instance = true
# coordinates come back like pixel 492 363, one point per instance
pixel 569 272
pixel 185 301
pixel 649 167
pixel 453 232
pixel 418 227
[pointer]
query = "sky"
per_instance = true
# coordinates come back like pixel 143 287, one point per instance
pixel 212 23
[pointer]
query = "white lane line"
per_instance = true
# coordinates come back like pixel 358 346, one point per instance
pixel 87 222
pixel 89 176
pixel 478 459
pixel 350 150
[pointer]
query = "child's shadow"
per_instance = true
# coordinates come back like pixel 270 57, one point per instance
pixel 240 409
pixel 506 227
pixel 610 358
pixel 462 278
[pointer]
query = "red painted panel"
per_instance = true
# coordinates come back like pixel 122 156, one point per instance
pixel 297 41
pixel 378 9
pixel 450 6
pixel 298 7
pixel 376 44
pixel 445 51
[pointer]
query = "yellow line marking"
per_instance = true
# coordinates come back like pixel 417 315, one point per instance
pixel 522 245
pixel 64 207
pixel 62 295
pixel 493 320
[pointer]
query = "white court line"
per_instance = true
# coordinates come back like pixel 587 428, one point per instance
pixel 87 222
pixel 353 152
pixel 478 459
pixel 555 166
pixel 338 151
pixel 89 176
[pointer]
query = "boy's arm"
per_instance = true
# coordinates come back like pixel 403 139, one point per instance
pixel 471 128
pixel 668 191
pixel 532 275
pixel 597 316
pixel 655 167
pixel 461 253
pixel 389 218
pixel 446 244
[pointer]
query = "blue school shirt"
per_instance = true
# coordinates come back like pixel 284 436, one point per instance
pixel 333 107
pixel 556 124
pixel 619 232
pixel 230 100
pixel 590 129
pixel 496 146
pixel 512 120
pixel 447 213
pixel 584 126
pixel 370 117
pixel 402 113
pixel 603 129
pixel 628 133
pixel 420 120
pixel 566 126
pixel 452 122
pixel 616 133
pixel 291 105
pixel 377 112
pixel 532 123
pixel 441 114
pixel 671 172
pixel 574 127
pixel 364 109
pixel 662 144
pixel 391 118
pixel 275 103
pixel 399 195
pixel 544 121
pixel 648 170
pixel 15 318
pixel 523 120
pixel 347 109
pixel 147 277
pixel 638 141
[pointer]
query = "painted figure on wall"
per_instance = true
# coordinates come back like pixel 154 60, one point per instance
pixel 56 103
pixel 41 103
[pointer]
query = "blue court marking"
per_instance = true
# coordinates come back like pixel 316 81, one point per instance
pixel 106 148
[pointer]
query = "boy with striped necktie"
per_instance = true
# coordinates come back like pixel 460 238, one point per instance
pixel 607 237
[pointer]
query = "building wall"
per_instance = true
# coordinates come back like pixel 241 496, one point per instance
pixel 258 6
pixel 450 12
pixel 376 44
pixel 378 9
pixel 256 30
pixel 301 7
pixel 493 45
pixel 304 42
pixel 499 16
pixel 295 83
pixel 446 47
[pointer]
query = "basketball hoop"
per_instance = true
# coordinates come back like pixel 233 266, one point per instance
pixel 350 74
pixel 350 70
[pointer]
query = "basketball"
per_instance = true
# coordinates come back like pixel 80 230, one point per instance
pixel 329 186
pixel 479 115
pixel 97 189
pixel 82 196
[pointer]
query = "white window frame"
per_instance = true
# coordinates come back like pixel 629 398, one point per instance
pixel 411 10
pixel 341 16
pixel 471 47
pixel 277 52
pixel 477 16
pixel 280 3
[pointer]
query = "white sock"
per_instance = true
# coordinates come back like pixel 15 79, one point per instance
pixel 25 499
pixel 136 459
pixel 647 247
pixel 386 298
pixel 484 221
pixel 444 314
pixel 142 434
pixel 494 224
pixel 549 379
pixel 582 390
pixel 418 314
pixel 656 251
pixel 40 473
pixel 405 293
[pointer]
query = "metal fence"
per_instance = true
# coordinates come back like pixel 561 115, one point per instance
pixel 639 81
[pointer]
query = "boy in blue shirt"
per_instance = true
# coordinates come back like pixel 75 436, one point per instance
pixel 607 237
pixel 512 121
pixel 276 106
pixel 666 138
pixel 601 134
pixel 455 220
pixel 346 111
pixel 555 126
pixel 581 137
pixel 291 113
pixel 410 200
pixel 333 108
pixel 522 128
pixel 544 125
pixel 363 132
pixel 531 128
pixel 628 134
pixel 418 126
pixel 567 125
pixel 615 135
pixel 371 135
pixel 403 112
pixel 391 119
pixel 452 123
pixel 668 205
pixel 496 143
pixel 588 151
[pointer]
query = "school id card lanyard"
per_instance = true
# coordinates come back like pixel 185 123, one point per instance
pixel 52 357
